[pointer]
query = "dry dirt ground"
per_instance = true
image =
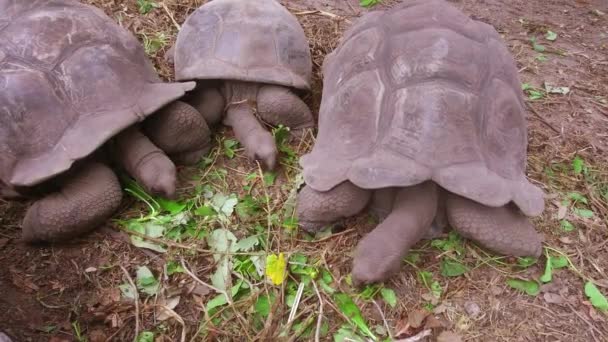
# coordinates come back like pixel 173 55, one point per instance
pixel 73 292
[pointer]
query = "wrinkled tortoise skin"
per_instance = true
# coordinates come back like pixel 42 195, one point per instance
pixel 55 85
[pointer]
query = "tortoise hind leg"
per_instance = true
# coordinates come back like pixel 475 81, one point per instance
pixel 380 253
pixel 279 105
pixel 502 230
pixel 317 209
pixel 180 131
pixel 85 201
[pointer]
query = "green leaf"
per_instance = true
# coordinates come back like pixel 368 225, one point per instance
pixel 247 208
pixel 172 207
pixel 148 229
pixel 559 262
pixel 269 178
pixel 526 262
pixel 290 223
pixel 528 286
pixel 223 241
pixel 326 280
pixel 221 299
pixel 146 282
pixel 146 6
pixel 452 268
pixel 596 297
pixel 276 268
pixel 584 213
pixel 389 296
pixel 551 36
pixel 229 146
pixel 204 211
pixel 145 336
pixel 537 47
pixel 350 310
pixel 541 57
pixel 577 165
pixel 566 225
pixel 548 275
pixel 346 334
pixel 127 290
pixel 369 291
pixel 263 304
pixel 280 134
pixel 453 243
pixel 368 3
pixel 173 267
pixel 247 244
pixel 577 197
pixel 413 257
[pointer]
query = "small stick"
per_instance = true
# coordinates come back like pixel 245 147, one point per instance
pixel 388 329
pixel 171 16
pixel 136 294
pixel 320 317
pixel 535 112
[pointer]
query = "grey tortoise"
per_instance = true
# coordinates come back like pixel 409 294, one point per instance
pixel 73 83
pixel 422 121
pixel 249 59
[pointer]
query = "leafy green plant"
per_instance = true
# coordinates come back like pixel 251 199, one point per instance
pixel 598 300
pixel 530 287
pixel 369 3
pixel 533 93
pixel 230 146
pixel 155 43
pixel 346 305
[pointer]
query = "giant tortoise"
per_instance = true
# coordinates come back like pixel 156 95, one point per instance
pixel 422 120
pixel 248 58
pixel 72 81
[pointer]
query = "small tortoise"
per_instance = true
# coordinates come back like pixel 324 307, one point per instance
pixel 248 58
pixel 71 79
pixel 422 119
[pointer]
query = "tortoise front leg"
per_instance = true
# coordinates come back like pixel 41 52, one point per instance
pixel 145 162
pixel 380 253
pixel 85 201
pixel 317 209
pixel 258 142
pixel 179 131
pixel 279 105
pixel 502 230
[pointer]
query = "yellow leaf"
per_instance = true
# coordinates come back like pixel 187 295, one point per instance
pixel 275 268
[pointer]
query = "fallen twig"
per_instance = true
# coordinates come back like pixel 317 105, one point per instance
pixel 136 299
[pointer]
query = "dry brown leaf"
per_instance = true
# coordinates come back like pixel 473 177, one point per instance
pixel 416 317
pixel 448 336
pixel 553 298
pixel 433 323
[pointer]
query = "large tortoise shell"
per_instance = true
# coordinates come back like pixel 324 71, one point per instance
pixel 422 92
pixel 256 41
pixel 70 79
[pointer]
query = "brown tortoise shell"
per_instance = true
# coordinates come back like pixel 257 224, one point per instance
pixel 422 92
pixel 255 41
pixel 70 79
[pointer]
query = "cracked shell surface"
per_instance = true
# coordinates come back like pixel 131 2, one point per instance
pixel 255 41
pixel 423 92
pixel 70 79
